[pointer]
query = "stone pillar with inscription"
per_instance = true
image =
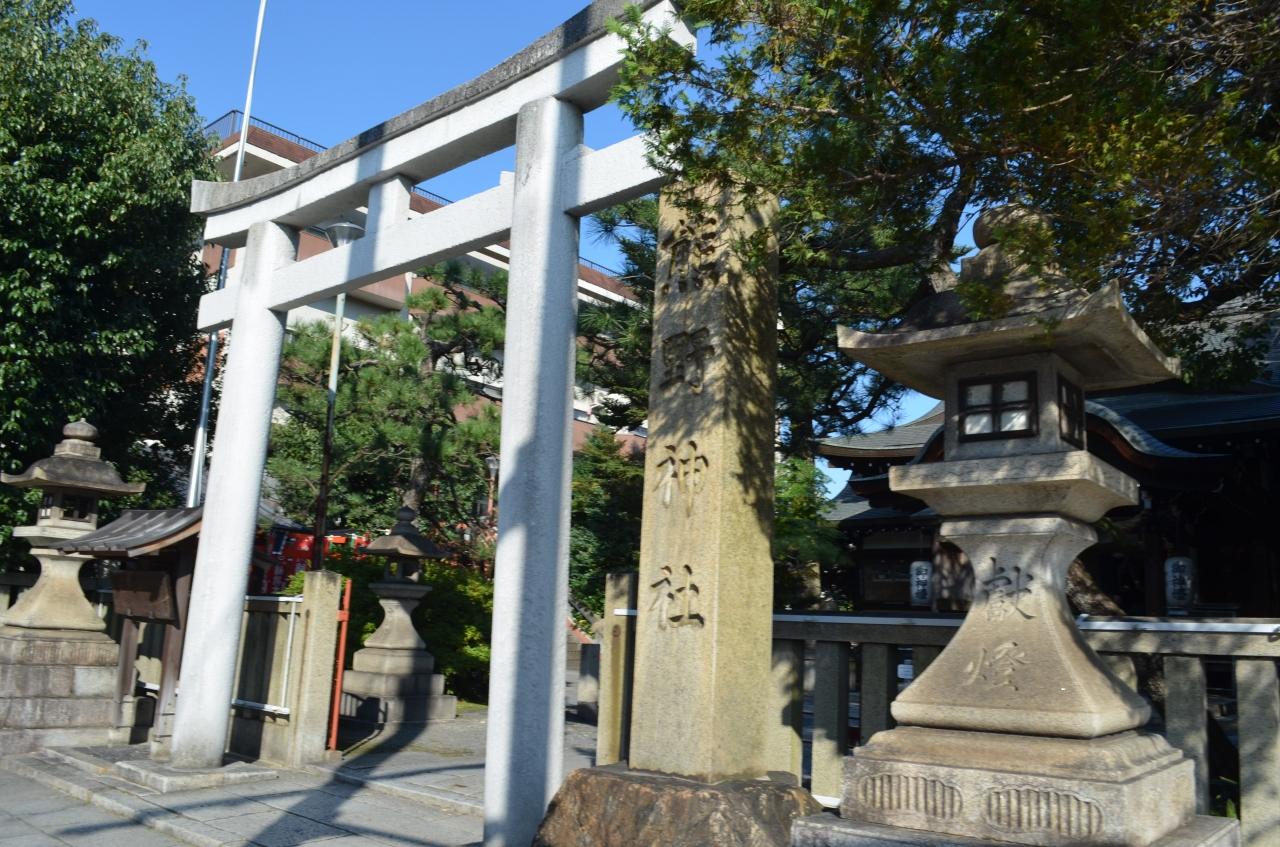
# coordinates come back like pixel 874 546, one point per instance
pixel 703 637
pixel 1017 732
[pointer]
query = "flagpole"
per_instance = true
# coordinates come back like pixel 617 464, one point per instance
pixel 195 487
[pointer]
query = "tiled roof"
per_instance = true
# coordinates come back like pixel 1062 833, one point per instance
pixel 136 529
pixel 1172 412
pixel 912 434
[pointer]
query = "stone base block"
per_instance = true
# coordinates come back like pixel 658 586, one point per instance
pixel 387 700
pixel 36 712
pixel 830 831
pixel 57 681
pixel 615 807
pixel 371 684
pixel 19 646
pixel 163 778
pixel 1126 789
pixel 27 740
pixel 393 660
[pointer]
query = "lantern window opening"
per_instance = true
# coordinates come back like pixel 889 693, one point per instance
pixel 1070 412
pixel 998 407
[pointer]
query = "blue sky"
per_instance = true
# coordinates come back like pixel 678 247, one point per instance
pixel 329 70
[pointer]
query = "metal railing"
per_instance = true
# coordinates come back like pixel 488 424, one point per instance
pixel 290 606
pixel 857 663
pixel 229 124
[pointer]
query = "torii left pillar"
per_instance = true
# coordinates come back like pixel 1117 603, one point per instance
pixel 231 504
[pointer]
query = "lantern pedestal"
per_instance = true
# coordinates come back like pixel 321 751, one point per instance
pixel 55 602
pixel 390 688
pixel 58 689
pixel 830 831
pixel 57 666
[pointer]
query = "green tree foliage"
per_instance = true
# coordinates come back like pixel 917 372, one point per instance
pixel 604 534
pixel 408 428
pixel 1146 130
pixel 98 278
pixel 820 391
pixel 803 542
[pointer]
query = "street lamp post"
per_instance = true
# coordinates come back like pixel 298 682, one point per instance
pixel 195 483
pixel 340 233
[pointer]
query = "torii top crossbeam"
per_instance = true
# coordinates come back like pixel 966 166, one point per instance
pixel 576 63
pixel 535 99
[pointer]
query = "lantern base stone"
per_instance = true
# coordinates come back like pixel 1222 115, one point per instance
pixel 56 688
pixel 394 704
pixel 616 807
pixel 830 831
pixel 1130 788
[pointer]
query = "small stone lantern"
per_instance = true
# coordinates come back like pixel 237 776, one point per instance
pixel 58 664
pixel 73 479
pixel 1017 732
pixel 390 687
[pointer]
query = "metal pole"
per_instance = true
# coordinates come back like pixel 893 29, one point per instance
pixel 196 484
pixel 326 456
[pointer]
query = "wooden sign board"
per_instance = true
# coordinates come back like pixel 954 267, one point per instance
pixel 146 595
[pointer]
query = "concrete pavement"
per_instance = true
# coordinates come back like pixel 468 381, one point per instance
pixel 424 792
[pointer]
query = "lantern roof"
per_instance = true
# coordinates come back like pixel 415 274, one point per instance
pixel 1044 312
pixel 75 465
pixel 404 541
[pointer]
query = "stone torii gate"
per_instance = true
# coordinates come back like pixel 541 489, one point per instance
pixel 537 99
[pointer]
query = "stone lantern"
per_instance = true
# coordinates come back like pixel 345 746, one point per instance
pixel 58 661
pixel 1018 732
pixel 73 479
pixel 390 687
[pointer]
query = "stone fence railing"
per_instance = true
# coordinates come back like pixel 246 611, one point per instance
pixel 833 670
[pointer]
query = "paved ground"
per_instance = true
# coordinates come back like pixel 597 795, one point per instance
pixel 447 764
pixel 33 816
pixel 428 793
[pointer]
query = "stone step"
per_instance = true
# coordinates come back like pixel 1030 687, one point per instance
pixel 118 798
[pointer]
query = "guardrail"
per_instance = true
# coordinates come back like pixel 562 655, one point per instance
pixel 855 664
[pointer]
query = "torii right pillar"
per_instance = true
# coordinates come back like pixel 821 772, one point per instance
pixel 1017 733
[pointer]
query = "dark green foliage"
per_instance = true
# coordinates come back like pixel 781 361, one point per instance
pixel 98 280
pixel 802 540
pixel 455 620
pixel 399 435
pixel 1146 130
pixel 608 490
